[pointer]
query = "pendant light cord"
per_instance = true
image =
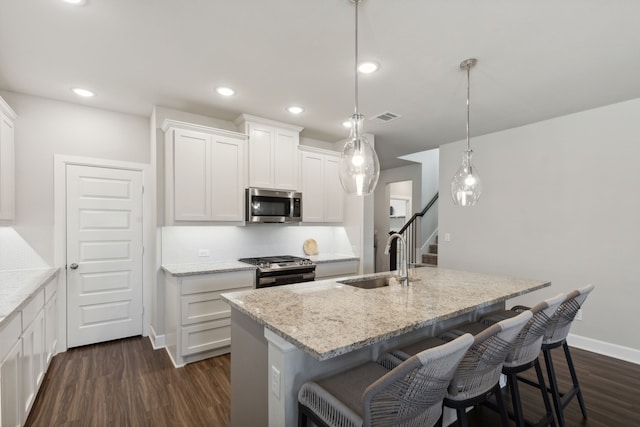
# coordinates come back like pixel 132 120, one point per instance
pixel 357 2
pixel 468 103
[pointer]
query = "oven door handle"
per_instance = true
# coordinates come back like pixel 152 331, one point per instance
pixel 267 280
pixel 273 280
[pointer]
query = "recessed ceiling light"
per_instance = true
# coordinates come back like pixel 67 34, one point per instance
pixel 368 67
pixel 295 109
pixel 225 91
pixel 76 2
pixel 83 92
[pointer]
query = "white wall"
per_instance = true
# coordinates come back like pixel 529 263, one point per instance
pixel 430 161
pixel 15 253
pixel 381 205
pixel 46 127
pixel 560 203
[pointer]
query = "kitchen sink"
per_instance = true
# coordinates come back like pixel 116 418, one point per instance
pixel 368 282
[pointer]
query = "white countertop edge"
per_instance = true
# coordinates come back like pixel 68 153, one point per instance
pixel 191 269
pixel 326 258
pixel 25 292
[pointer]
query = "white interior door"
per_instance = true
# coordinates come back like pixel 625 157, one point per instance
pixel 104 254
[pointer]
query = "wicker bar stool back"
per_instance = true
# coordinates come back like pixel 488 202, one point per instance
pixel 478 374
pixel 524 353
pixel 408 395
pixel 556 336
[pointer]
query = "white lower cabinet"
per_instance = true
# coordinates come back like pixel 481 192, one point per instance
pixel 11 373
pixel 341 268
pixel 33 352
pixel 51 323
pixel 198 320
pixel 25 353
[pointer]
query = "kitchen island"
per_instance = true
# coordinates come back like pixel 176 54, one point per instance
pixel 284 336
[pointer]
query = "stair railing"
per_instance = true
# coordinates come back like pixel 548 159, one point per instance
pixel 410 232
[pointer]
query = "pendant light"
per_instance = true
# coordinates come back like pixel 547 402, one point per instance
pixel 465 186
pixel 359 165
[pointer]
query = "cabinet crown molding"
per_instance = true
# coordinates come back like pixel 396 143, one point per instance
pixel 242 118
pixel 8 111
pixel 176 124
pixel 311 149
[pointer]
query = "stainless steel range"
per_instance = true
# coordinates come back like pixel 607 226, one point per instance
pixel 282 270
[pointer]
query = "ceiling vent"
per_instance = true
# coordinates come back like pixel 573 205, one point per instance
pixel 385 117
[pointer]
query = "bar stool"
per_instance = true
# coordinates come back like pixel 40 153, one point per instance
pixel 525 351
pixel 478 374
pixel 556 336
pixel 410 394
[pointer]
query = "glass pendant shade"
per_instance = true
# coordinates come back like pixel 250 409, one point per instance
pixel 466 187
pixel 359 165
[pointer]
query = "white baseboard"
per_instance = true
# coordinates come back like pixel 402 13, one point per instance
pixel 607 349
pixel 157 341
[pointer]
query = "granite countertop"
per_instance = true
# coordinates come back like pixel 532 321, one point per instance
pixel 206 267
pixel 18 286
pixel 189 269
pixel 326 318
pixel 327 257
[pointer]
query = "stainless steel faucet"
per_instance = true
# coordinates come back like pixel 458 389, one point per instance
pixel 403 268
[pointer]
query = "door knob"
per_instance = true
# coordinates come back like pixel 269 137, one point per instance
pixel 73 266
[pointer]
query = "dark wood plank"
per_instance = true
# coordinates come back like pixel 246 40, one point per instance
pixel 127 383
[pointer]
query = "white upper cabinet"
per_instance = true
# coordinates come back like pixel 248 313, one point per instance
pixel 7 162
pixel 322 194
pixel 204 173
pixel 273 153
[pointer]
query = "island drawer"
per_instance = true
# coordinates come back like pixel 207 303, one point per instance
pixel 227 282
pixel 206 336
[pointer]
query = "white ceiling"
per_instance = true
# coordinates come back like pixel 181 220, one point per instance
pixel 537 59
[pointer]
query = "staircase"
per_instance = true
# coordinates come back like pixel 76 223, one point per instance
pixel 410 233
pixel 431 258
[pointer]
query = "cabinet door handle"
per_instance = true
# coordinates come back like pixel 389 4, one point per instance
pixel 73 266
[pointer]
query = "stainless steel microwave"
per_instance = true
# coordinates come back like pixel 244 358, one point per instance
pixel 273 206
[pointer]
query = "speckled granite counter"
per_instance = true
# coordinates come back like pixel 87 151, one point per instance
pixel 328 257
pixel 206 267
pixel 189 269
pixel 292 334
pixel 327 319
pixel 18 286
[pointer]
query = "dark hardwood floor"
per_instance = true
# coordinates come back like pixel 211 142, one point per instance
pixel 127 383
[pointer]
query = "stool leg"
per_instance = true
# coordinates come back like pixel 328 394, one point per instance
pixel 553 383
pixel 545 395
pixel 462 417
pixel 302 417
pixel 515 399
pixel 574 379
pixel 503 411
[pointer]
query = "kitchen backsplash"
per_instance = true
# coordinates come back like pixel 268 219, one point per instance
pixel 15 252
pixel 184 244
